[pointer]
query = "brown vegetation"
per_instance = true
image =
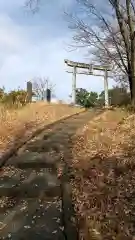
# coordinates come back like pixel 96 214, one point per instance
pixel 104 177
pixel 18 123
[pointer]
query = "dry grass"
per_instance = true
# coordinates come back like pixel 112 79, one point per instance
pixel 15 124
pixel 104 177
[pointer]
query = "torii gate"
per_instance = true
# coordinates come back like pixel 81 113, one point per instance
pixel 90 68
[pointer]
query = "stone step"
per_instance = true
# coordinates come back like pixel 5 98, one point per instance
pixel 7 186
pixel 31 187
pixel 33 160
pixel 39 145
pixel 33 218
pixel 9 180
pixel 29 218
pixel 45 146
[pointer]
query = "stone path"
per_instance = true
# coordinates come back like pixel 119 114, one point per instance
pixel 32 199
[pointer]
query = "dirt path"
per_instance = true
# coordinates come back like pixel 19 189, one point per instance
pixel 34 191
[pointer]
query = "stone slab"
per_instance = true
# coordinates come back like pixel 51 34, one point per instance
pixel 33 160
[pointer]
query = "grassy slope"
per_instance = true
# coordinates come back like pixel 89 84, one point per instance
pixel 104 177
pixel 15 124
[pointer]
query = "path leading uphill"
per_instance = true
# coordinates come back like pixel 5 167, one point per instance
pixel 35 197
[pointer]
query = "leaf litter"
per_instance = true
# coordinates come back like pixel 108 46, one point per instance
pixel 104 178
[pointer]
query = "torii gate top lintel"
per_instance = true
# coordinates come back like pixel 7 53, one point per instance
pixel 86 65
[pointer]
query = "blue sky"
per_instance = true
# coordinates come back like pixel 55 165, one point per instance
pixel 36 46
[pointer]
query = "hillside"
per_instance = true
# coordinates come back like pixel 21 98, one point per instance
pixel 18 123
pixel 104 177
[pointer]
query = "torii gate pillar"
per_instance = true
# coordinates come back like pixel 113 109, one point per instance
pixel 74 86
pixel 106 89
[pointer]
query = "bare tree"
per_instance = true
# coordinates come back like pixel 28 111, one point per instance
pixel 33 5
pixel 108 35
pixel 40 85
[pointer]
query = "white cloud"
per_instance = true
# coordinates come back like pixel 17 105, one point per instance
pixel 28 51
